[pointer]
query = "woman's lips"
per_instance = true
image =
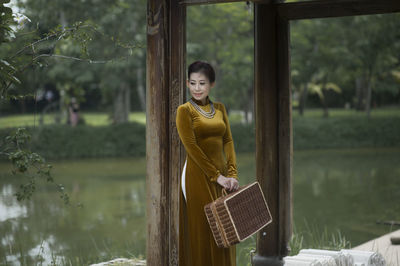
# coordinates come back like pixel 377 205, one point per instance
pixel 197 94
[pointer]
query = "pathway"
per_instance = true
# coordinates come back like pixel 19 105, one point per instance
pixel 382 244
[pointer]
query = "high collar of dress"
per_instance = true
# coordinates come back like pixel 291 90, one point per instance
pixel 200 103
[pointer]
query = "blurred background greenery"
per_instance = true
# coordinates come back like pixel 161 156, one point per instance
pixel 88 58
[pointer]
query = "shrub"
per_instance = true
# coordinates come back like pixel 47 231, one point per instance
pixel 63 141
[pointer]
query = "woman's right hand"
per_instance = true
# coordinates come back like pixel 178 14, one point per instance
pixel 229 183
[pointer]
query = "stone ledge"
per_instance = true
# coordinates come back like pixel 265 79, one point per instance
pixel 122 262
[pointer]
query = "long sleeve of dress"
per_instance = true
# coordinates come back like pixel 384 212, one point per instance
pixel 229 148
pixel 184 126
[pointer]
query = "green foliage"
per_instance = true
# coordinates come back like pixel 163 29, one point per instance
pixel 334 61
pixel 244 137
pixel 30 164
pixel 63 141
pixel 59 43
pixel 6 19
pixel 29 50
pixel 349 132
pixel 310 132
pixel 312 237
pixel 77 49
pixel 116 42
pixel 358 54
pixel 223 35
pixel 335 132
pixel 6 33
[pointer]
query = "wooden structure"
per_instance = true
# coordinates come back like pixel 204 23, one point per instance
pixel 166 45
pixel 384 246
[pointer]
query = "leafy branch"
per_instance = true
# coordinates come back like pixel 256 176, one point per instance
pixel 81 32
pixel 14 147
pixel 29 164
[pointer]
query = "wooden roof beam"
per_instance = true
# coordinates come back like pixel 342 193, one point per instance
pixel 207 2
pixel 336 8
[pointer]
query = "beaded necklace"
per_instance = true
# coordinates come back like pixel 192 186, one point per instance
pixel 209 114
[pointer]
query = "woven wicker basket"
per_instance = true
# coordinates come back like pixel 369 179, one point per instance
pixel 236 216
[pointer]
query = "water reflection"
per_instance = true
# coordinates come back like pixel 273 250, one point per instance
pixel 348 190
pixel 9 206
pixel 111 223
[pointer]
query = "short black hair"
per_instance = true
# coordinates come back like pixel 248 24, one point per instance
pixel 204 68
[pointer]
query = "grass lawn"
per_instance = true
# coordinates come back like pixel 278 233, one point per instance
pixel 93 119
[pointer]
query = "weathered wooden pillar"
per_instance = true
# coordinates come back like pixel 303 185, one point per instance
pixel 164 92
pixel 177 96
pixel 273 130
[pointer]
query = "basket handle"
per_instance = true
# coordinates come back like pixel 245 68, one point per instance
pixel 225 193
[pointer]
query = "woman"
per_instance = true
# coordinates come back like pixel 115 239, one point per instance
pixel 204 130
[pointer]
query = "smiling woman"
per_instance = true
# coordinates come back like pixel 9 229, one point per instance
pixel 201 80
pixel 205 132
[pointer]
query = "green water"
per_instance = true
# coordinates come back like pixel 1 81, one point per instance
pixel 347 190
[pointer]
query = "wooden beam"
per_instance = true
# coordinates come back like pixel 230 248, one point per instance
pixel 285 143
pixel 273 131
pixel 206 2
pixel 209 2
pixel 177 97
pixel 157 134
pixel 165 91
pixel 266 116
pixel 336 8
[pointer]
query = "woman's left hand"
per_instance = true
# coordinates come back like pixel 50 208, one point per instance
pixel 229 183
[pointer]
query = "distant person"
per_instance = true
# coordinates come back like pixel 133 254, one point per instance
pixel 49 95
pixel 73 111
pixel 204 130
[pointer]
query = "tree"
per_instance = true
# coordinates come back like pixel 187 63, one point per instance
pixel 13 147
pixel 371 53
pixel 17 61
pixel 223 35
pixel 114 25
pixel 357 54
pixel 317 56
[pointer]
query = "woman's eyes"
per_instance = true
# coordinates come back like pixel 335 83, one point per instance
pixel 194 83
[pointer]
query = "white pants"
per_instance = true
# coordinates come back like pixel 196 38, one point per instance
pixel 183 180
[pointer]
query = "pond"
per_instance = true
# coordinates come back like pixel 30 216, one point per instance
pixel 346 190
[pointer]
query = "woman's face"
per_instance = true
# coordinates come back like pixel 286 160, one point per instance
pixel 199 86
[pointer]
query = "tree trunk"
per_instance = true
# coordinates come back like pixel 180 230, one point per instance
pixel 324 105
pixel 360 93
pixel 325 108
pixel 303 98
pixel 249 108
pixel 369 97
pixel 63 20
pixel 63 114
pixel 140 88
pixel 22 104
pixel 121 106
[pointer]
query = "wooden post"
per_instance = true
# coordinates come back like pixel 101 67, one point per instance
pixel 177 97
pixel 273 130
pixel 165 91
pixel 285 138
